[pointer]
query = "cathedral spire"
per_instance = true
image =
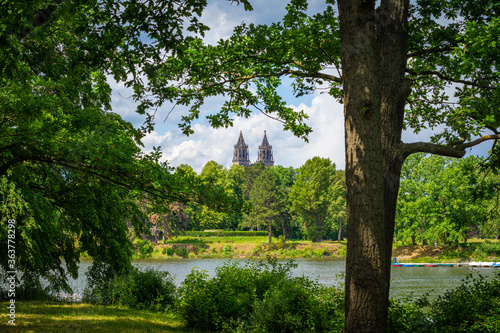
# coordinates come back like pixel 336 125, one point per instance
pixel 241 155
pixel 266 152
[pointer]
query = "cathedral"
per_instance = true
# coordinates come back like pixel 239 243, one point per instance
pixel 242 157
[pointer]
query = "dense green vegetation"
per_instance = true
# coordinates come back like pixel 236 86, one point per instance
pixel 73 178
pixel 295 203
pixel 442 201
pixel 255 297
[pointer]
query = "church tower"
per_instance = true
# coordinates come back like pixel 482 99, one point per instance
pixel 240 155
pixel 266 152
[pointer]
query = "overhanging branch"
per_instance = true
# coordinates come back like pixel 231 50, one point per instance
pixel 425 147
pixel 450 79
pixel 457 150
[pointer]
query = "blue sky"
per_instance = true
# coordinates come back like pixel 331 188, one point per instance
pixel 325 114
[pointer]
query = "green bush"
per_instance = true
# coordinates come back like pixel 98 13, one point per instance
pixel 227 249
pixel 299 305
pixel 219 233
pixel 257 248
pixel 169 251
pixel 145 290
pixel 472 307
pixel 486 249
pixel 405 315
pixel 181 251
pixel 144 247
pixel 257 297
pixel 149 290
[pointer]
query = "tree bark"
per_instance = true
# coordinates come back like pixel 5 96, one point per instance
pixel 269 230
pixel 373 54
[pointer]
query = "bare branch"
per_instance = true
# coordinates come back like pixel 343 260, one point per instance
pixel 478 141
pixel 457 150
pixel 406 149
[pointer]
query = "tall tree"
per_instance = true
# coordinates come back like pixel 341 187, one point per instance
pixel 311 195
pixel 440 199
pixel 267 201
pixel 71 171
pixel 286 179
pixel 337 208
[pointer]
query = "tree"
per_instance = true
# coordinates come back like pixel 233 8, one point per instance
pixel 286 178
pixel 395 65
pixel 440 199
pixel 311 195
pixel 267 201
pixel 337 208
pixel 71 171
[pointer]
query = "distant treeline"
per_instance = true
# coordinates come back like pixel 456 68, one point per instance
pixel 441 200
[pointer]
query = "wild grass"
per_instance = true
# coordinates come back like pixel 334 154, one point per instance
pixel 81 317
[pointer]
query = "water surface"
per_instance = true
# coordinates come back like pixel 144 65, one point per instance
pixel 405 280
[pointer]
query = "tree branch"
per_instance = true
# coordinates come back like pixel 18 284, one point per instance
pixel 478 141
pixel 406 149
pixel 457 150
pixel 447 78
pixel 40 18
pixel 430 51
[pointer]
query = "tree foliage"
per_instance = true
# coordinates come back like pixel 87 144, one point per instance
pixel 310 195
pixel 395 65
pixel 440 199
pixel 71 170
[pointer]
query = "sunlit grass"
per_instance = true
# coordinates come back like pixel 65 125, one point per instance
pixel 479 240
pixel 81 317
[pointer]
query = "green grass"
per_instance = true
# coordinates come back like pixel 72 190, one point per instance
pixel 217 239
pixel 80 317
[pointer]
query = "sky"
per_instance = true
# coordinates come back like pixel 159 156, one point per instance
pixel 206 144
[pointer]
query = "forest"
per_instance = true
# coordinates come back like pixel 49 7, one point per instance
pixel 441 201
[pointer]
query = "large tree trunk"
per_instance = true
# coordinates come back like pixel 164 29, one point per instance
pixel 373 53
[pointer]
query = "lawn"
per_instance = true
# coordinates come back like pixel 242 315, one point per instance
pixel 81 317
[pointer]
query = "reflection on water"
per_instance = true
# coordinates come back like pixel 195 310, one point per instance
pixel 405 280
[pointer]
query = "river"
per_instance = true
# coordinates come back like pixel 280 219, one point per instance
pixel 405 280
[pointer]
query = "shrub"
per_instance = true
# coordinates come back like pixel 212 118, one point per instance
pixel 144 247
pixel 257 249
pixel 227 249
pixel 144 290
pixel 220 233
pixel 299 305
pixel 486 249
pixel 169 251
pixel 181 251
pixel 257 297
pixel 405 315
pixel 472 307
pixel 149 290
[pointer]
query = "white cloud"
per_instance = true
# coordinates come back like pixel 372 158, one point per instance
pixel 327 140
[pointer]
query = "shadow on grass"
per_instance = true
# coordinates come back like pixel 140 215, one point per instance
pixel 78 317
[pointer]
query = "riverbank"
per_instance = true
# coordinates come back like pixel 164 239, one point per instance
pixel 250 249
pixel 258 248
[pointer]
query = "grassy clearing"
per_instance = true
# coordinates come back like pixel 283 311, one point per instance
pixel 80 317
